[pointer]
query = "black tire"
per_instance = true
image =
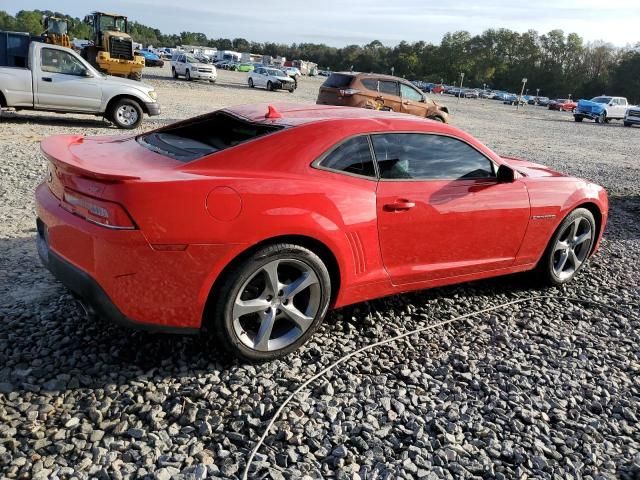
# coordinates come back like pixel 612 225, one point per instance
pixel 437 118
pixel 269 86
pixel 251 85
pixel 137 76
pixel 119 120
pixel 627 124
pixel 187 76
pixel 602 118
pixel 544 271
pixel 174 74
pixel 578 118
pixel 221 308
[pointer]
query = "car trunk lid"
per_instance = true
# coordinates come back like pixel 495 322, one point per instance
pixel 330 92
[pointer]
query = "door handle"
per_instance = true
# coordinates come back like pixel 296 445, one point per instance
pixel 47 79
pixel 406 102
pixel 399 206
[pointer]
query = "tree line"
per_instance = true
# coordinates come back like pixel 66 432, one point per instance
pixel 556 64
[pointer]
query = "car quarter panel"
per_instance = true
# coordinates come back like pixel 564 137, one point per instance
pixel 552 199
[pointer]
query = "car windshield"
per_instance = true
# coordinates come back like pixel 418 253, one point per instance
pixel 192 59
pixel 274 73
pixel 601 99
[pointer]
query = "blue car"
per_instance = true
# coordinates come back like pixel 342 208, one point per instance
pixel 150 58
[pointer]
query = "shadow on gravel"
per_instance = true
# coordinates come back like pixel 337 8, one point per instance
pixel 624 218
pixel 58 120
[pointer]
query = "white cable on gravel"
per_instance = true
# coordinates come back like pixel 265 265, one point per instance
pixel 387 341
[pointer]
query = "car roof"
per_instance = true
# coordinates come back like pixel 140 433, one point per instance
pixel 373 75
pixel 292 114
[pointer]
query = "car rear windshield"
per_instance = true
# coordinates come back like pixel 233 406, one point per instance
pixel 194 139
pixel 338 80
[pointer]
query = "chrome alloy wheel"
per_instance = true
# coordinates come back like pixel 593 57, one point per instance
pixel 127 115
pixel 276 305
pixel 572 248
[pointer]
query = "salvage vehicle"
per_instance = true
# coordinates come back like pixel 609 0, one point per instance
pixel 150 59
pixel 515 100
pixel 632 116
pixel 250 222
pixel 271 79
pixel 245 67
pixel 379 92
pixel 562 105
pixel 187 65
pixel 601 109
pixel 56 31
pixel 40 76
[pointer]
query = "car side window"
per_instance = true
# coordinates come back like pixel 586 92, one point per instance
pixel 417 156
pixel 410 93
pixel 370 84
pixel 352 156
pixel 58 61
pixel 388 87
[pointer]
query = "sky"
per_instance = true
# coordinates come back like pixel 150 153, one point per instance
pixel 344 22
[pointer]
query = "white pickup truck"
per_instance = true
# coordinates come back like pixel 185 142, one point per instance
pixel 56 79
pixel 602 109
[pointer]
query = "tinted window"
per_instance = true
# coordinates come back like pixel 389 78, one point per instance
pixel 59 61
pixel 410 93
pixel 388 87
pixel 370 84
pixel 353 156
pixel 338 80
pixel 420 156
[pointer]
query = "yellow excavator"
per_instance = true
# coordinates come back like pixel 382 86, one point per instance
pixel 111 50
pixel 56 31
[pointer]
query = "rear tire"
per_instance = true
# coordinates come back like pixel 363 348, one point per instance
pixel 126 114
pixel 258 314
pixel 568 249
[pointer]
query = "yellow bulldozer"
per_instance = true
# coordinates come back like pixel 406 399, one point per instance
pixel 111 49
pixel 56 31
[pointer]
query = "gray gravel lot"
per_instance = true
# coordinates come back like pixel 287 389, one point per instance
pixel 544 389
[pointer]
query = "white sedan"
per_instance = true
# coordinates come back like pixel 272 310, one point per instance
pixel 271 79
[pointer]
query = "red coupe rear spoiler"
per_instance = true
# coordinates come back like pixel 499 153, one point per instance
pixel 57 149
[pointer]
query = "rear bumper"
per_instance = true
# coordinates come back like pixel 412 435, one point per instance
pixel 154 288
pixel 91 294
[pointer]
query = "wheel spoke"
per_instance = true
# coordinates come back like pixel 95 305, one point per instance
pixel 562 261
pixel 302 282
pixel 574 259
pixel 573 229
pixel 271 271
pixel 264 332
pixel 583 238
pixel 297 316
pixel 245 307
pixel 561 246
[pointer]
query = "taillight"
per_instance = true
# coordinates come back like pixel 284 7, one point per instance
pixel 347 92
pixel 101 212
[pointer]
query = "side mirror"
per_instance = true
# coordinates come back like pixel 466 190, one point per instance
pixel 505 174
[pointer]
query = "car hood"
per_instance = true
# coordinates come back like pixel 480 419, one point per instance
pixel 110 80
pixel 284 78
pixel 588 105
pixel 530 169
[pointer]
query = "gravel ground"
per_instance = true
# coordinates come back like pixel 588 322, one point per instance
pixel 544 389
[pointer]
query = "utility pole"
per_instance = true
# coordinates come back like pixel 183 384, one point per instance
pixel 461 80
pixel 524 82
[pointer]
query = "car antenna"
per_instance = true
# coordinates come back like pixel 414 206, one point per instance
pixel 273 113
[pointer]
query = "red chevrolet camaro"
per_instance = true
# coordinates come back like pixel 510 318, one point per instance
pixel 251 222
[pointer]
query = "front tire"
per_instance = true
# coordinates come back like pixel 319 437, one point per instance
pixel 126 114
pixel 627 124
pixel 269 86
pixel 602 118
pixel 568 249
pixel 251 85
pixel 578 118
pixel 187 76
pixel 271 303
pixel 174 74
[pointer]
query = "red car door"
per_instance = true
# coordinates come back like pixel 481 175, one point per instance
pixel 441 211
